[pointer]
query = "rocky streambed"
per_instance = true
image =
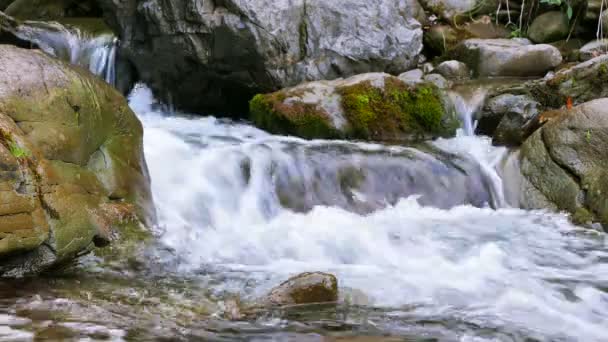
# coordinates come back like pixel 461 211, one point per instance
pixel 441 180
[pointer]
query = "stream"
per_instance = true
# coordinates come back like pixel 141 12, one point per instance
pixel 423 240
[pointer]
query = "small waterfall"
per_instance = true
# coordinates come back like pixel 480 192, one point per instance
pixel 95 53
pixel 467 102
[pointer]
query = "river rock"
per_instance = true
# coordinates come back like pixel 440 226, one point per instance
pixel 510 119
pixel 373 106
pixel 549 27
pixel 507 57
pixel 437 80
pixel 565 162
pixel 579 83
pixel 73 173
pixel 453 70
pixel 444 38
pixel 202 55
pixel 412 77
pixel 305 288
pixel 593 49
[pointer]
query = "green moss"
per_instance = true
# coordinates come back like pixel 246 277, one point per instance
pixel 17 151
pixel 268 112
pixel 603 69
pixel 582 216
pixel 393 111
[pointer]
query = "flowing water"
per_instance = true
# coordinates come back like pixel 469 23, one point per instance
pixel 421 238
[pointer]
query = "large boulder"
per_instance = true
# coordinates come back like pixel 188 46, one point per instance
pixel 372 106
pixel 201 55
pixel 507 57
pixel 549 27
pixel 565 163
pixel 459 10
pixel 72 170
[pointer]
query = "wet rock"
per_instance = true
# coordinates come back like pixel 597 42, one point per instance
pixel 593 49
pixel 549 27
pixel 507 57
pixel 372 106
pixel 72 174
pixel 214 55
pixel 305 288
pixel 510 119
pixel 565 162
pixel 453 70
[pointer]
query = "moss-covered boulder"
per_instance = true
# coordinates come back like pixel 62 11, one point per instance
pixel 374 106
pixel 72 170
pixel 565 163
pixel 549 27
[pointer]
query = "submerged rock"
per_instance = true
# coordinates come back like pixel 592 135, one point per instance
pixel 305 288
pixel 73 172
pixel 565 163
pixel 549 27
pixel 373 106
pixel 507 57
pixel 202 55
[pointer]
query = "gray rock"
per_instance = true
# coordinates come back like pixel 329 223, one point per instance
pixel 566 162
pixel 549 27
pixel 438 80
pixel 593 49
pixel 518 121
pixel 453 70
pixel 305 288
pixel 507 57
pixel 213 55
pixel 412 77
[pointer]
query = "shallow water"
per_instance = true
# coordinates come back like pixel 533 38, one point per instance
pixel 410 233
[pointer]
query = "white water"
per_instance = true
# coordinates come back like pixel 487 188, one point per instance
pixel 95 53
pixel 510 270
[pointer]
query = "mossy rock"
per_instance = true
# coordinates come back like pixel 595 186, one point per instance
pixel 376 107
pixel 70 149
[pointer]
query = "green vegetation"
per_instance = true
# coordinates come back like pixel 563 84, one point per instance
pixel 17 151
pixel 389 112
pixel 304 120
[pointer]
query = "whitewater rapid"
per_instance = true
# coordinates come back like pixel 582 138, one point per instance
pixel 513 271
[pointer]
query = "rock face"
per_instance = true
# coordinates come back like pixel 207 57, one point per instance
pixel 549 27
pixel 372 106
pixel 217 54
pixel 72 169
pixel 565 162
pixel 507 57
pixel 305 288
